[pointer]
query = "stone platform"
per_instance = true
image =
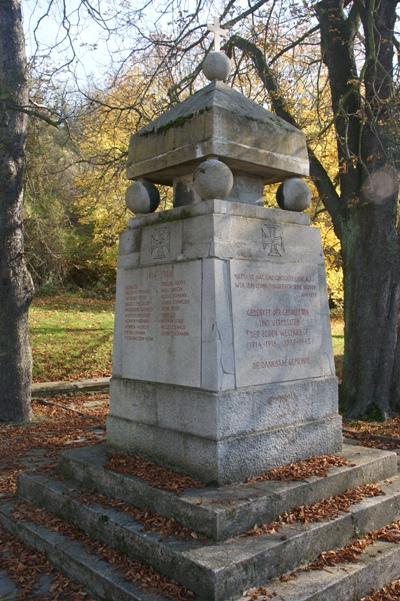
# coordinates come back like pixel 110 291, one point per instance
pixel 228 561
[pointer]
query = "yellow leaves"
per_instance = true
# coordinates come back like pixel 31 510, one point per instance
pixel 101 183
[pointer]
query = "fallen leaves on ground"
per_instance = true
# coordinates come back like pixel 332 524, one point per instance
pixel 24 567
pixel 315 466
pixel 257 594
pixel 380 435
pixel 390 592
pixel 351 551
pixel 131 569
pixel 367 439
pixel 52 429
pixel 151 521
pixel 154 474
pixel 326 509
pixel 389 427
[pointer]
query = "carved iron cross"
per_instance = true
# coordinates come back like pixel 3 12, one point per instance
pixel 272 239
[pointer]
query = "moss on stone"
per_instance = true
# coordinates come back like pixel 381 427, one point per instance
pixel 178 122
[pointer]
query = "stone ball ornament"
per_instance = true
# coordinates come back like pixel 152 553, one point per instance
pixel 213 179
pixel 294 195
pixel 216 66
pixel 142 197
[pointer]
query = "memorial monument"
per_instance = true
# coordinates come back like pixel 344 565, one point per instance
pixel 223 363
pixel 222 369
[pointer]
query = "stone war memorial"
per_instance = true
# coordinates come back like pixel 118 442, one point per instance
pixel 223 374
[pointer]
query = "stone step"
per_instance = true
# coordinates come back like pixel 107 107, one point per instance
pixel 376 567
pixel 102 580
pixel 220 513
pixel 214 571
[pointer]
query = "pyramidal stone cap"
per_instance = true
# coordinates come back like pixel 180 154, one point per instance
pixel 218 121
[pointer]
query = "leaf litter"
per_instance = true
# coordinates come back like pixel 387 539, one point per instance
pixel 326 509
pixel 49 432
pixel 307 468
pixel 132 570
pixel 155 475
pixel 150 520
pixel 350 553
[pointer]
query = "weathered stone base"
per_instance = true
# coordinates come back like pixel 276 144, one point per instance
pixel 214 570
pixel 225 437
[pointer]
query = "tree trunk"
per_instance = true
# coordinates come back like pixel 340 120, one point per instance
pixel 371 265
pixel 16 286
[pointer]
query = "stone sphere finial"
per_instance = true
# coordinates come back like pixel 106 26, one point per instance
pixel 142 197
pixel 216 66
pixel 212 179
pixel 294 195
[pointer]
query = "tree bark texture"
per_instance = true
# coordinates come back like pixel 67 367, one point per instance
pixel 16 286
pixel 371 267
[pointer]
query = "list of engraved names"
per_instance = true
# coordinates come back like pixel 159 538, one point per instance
pixel 169 295
pixel 277 329
pixel 162 325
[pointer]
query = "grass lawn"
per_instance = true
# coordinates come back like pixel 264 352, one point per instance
pixel 71 337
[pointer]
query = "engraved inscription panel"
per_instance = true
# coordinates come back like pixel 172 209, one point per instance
pixel 162 324
pixel 278 323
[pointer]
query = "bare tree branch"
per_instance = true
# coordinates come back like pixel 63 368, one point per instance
pixel 324 184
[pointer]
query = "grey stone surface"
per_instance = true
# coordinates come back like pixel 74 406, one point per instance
pixel 221 207
pixel 158 337
pixel 217 121
pixel 226 236
pixel 247 189
pixel 184 191
pixel 376 567
pixel 223 301
pixel 129 241
pixel 40 389
pixel 217 66
pixel 212 179
pixel 218 359
pixel 103 581
pixel 161 243
pixel 294 195
pixel 128 261
pixel 277 320
pixel 231 413
pixel 231 459
pixel 224 512
pixel 119 530
pixel 216 572
pixel 142 197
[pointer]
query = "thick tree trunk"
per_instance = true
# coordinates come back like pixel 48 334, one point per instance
pixel 371 251
pixel 16 286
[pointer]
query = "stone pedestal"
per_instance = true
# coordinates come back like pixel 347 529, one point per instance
pixel 223 363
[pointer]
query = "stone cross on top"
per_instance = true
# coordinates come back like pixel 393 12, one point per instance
pixel 218 32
